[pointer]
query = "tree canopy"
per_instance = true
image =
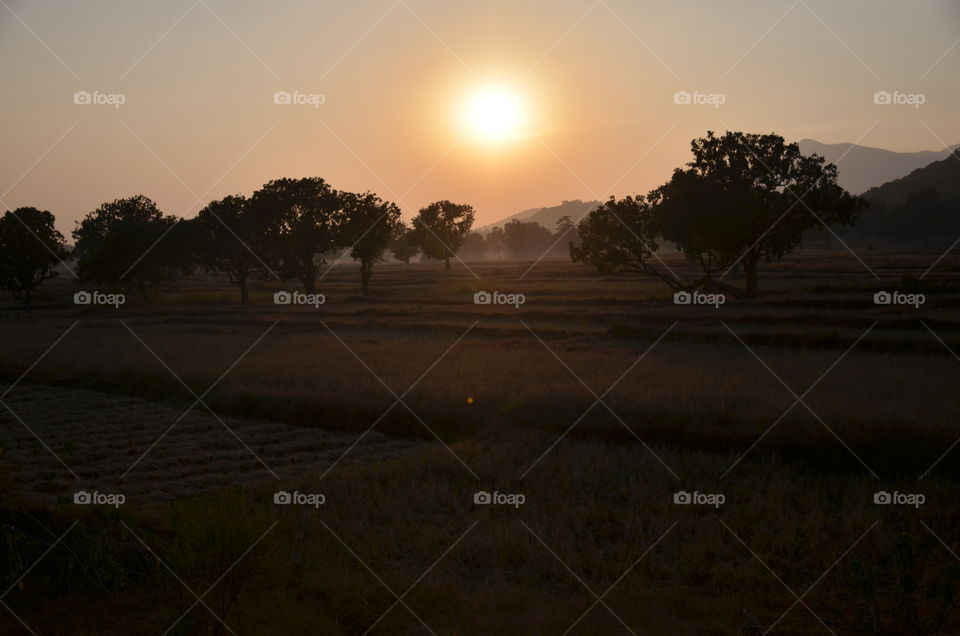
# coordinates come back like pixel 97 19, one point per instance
pixel 440 228
pixel 303 220
pixel 228 235
pixel 369 224
pixel 126 244
pixel 30 249
pixel 742 200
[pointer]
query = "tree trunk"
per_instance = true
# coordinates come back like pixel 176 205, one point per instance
pixel 244 296
pixel 750 270
pixel 446 264
pixel 309 279
pixel 366 270
pixel 26 297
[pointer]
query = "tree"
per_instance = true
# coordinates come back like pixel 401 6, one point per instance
pixel 743 199
pixel 30 248
pixel 369 223
pixel 473 247
pixel 401 243
pixel 303 217
pixel 565 224
pixel 566 230
pixel 620 235
pixel 440 228
pixel 228 233
pixel 130 244
pixel 748 198
pixel 526 239
pixel 495 242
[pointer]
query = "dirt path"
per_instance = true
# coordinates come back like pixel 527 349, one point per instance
pixel 100 436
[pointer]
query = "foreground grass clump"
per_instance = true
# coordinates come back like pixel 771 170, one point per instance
pixel 593 507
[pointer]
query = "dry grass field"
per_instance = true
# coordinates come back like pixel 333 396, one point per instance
pixel 597 400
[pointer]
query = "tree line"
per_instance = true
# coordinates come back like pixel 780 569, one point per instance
pixel 283 231
pixel 743 200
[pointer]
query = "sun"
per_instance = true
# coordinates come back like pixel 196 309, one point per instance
pixel 494 114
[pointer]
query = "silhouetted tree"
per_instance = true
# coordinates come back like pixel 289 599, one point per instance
pixel 304 218
pixel 744 198
pixel 565 224
pixel 526 239
pixel 620 235
pixel 228 235
pixel 566 232
pixel 130 244
pixel 30 248
pixel 401 243
pixel 473 247
pixel 369 224
pixel 439 229
pixel 748 197
pixel 495 242
pixel 923 216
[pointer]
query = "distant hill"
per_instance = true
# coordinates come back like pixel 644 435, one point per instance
pixel 863 168
pixel 942 176
pixel 923 206
pixel 547 217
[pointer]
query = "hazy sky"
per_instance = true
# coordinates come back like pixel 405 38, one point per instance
pixel 597 81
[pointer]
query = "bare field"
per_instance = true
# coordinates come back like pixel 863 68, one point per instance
pixel 152 452
pixel 715 379
pixel 797 407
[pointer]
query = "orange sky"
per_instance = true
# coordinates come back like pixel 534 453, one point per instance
pixel 197 80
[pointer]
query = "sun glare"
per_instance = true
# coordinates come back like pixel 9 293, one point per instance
pixel 494 114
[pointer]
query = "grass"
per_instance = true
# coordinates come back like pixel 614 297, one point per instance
pixel 686 418
pixel 597 507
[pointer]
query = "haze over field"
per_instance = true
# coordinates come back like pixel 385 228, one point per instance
pixel 593 86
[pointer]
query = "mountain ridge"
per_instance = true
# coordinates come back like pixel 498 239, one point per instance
pixel 865 167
